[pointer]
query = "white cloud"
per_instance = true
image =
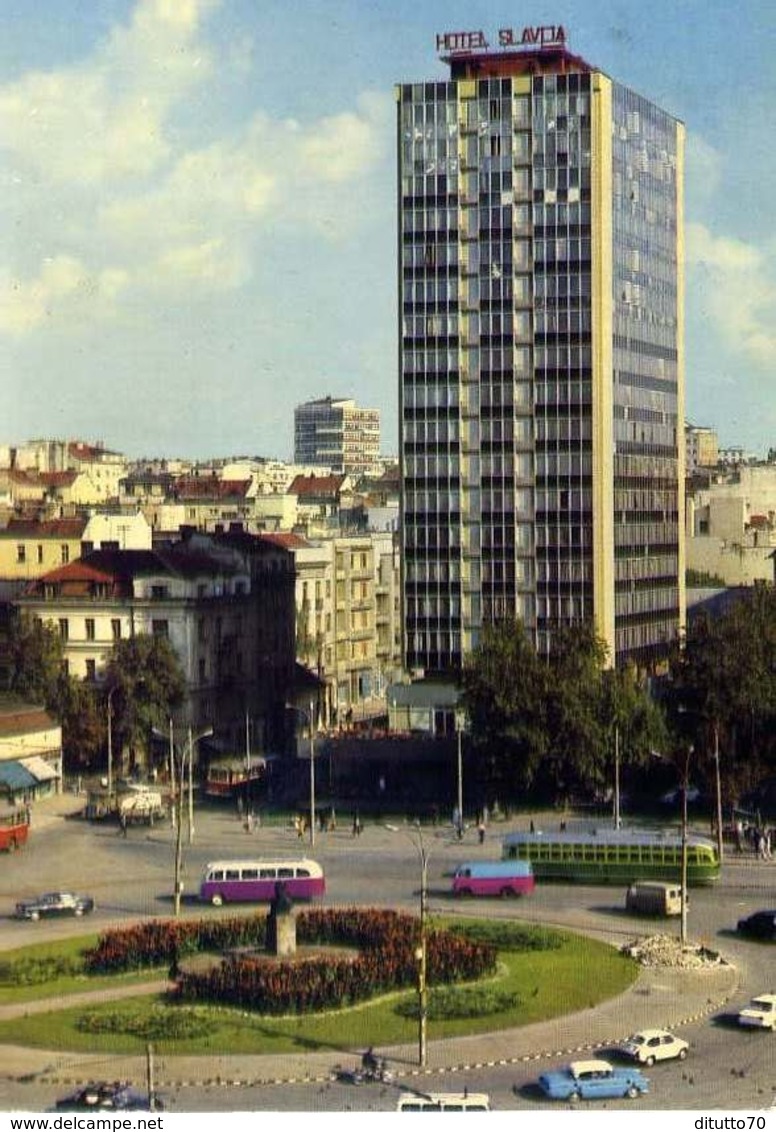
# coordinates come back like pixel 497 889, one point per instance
pixel 102 177
pixel 62 293
pixel 105 119
pixel 704 168
pixel 736 283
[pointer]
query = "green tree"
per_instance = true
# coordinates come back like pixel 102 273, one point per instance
pixel 38 675
pixel 504 693
pixel 83 723
pixel 722 688
pixel 547 725
pixel 145 683
pixel 35 659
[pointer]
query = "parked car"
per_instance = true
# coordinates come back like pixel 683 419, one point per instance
pixel 108 1095
pixel 592 1080
pixel 54 904
pixel 760 1014
pixel 760 925
pixel 650 1046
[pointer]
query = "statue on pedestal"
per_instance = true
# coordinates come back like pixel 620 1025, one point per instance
pixel 281 923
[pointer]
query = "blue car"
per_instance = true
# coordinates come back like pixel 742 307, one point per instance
pixel 592 1080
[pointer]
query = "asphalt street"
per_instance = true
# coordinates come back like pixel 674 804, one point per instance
pixel 133 876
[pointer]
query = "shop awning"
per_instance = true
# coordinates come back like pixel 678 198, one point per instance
pixel 14 776
pixel 42 770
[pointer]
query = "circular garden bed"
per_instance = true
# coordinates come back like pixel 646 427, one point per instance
pixel 385 942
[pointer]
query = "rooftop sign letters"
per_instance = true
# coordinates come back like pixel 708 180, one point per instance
pixel 542 35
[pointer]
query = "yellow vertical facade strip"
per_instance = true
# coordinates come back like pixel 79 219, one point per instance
pixel 466 90
pixel 680 372
pixel 602 349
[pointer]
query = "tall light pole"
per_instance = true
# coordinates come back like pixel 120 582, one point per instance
pixel 685 785
pixel 421 951
pixel 719 792
pixel 460 719
pixel 192 740
pixel 617 819
pixel 310 718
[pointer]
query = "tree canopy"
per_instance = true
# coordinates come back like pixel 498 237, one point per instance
pixel 546 726
pixel 722 688
pixel 145 682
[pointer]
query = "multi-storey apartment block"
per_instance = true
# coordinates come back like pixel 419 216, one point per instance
pixel 338 434
pixel 541 353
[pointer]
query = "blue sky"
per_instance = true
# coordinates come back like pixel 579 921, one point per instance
pixel 198 207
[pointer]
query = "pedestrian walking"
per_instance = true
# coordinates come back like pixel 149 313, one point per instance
pixel 123 824
pixel 356 825
pixel 481 832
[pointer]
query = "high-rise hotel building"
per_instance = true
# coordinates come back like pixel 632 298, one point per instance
pixel 541 354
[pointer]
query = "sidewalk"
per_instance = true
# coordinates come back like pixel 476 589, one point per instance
pixel 666 997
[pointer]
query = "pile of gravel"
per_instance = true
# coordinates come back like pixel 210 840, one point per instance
pixel 668 951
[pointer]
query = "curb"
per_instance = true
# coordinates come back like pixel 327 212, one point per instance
pixel 399 1075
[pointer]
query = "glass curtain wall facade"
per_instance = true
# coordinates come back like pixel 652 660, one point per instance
pixel 540 360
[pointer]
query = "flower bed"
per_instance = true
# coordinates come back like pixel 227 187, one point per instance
pixel 386 942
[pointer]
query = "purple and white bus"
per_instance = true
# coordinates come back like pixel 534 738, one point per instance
pixel 232 882
pixel 493 878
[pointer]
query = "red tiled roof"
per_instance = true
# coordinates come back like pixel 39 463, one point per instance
pixel 43 479
pixel 287 539
pixel 315 485
pixel 18 722
pixel 80 450
pixel 208 487
pixel 45 528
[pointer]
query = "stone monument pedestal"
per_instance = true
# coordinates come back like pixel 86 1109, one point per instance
pixel 281 925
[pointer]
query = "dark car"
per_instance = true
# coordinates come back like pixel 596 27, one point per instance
pixel 54 904
pixel 107 1096
pixel 760 925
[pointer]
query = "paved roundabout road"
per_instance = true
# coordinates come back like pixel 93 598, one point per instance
pixel 133 876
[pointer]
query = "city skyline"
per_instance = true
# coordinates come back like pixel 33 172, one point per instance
pixel 200 209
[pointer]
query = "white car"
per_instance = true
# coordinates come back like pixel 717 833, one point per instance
pixel 760 1013
pixel 650 1046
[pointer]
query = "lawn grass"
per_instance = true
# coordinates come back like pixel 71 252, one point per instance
pixel 544 983
pixel 71 951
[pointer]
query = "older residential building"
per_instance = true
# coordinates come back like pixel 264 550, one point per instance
pixel 225 603
pixel 701 448
pixel 30 548
pixel 731 526
pixel 30 751
pixel 348 629
pixel 199 601
pixel 209 501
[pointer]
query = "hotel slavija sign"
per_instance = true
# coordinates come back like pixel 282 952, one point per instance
pixel 543 35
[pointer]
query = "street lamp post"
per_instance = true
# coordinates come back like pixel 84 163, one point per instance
pixel 459 724
pixel 310 718
pixel 421 951
pixel 110 743
pixel 617 819
pixel 185 753
pixel 685 786
pixel 719 793
pixel 192 740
